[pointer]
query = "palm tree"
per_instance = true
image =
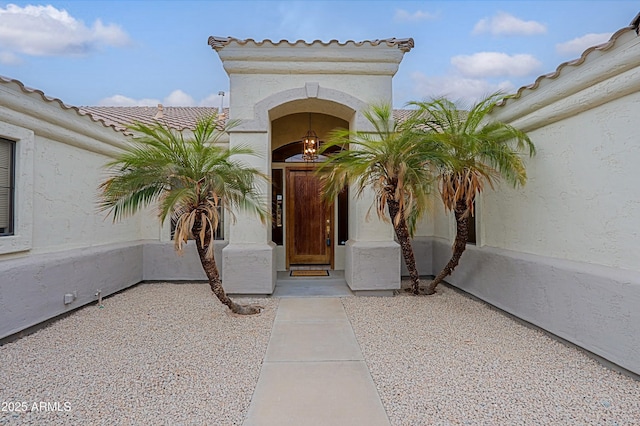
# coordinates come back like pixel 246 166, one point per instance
pixel 485 151
pixel 190 177
pixel 394 163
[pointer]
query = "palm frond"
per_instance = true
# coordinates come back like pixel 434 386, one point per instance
pixel 188 175
pixel 391 160
pixel 479 150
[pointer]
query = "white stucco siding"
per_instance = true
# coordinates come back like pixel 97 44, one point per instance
pixel 581 199
pixel 273 81
pixel 428 226
pixel 581 202
pixel 246 227
pixel 249 89
pixel 57 177
pixel 65 200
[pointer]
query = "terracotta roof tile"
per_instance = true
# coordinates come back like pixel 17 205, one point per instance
pixel 175 117
pixel 593 51
pixel 62 105
pixel 401 115
pixel 178 118
pixel 404 44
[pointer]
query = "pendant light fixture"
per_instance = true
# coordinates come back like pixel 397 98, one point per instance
pixel 310 144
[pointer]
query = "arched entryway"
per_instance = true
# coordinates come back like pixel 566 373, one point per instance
pixel 307 230
pixel 253 258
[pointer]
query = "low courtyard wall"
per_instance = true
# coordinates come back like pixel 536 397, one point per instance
pixel 592 306
pixel 33 288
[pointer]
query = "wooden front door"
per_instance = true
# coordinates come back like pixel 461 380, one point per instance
pixel 309 220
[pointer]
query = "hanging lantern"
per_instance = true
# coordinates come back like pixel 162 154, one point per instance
pixel 310 144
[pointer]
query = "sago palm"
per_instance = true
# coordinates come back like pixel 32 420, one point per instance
pixel 189 177
pixel 485 151
pixel 391 161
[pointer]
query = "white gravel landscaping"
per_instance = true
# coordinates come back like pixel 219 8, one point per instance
pixel 165 354
pixel 156 354
pixel 450 360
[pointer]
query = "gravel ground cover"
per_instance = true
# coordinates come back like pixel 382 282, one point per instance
pixel 166 354
pixel 450 360
pixel 156 354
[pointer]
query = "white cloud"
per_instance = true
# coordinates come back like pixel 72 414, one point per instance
pixel 9 58
pixel 505 24
pixel 47 31
pixel 495 64
pixel 179 98
pixel 111 35
pixel 120 100
pixel 580 44
pixel 213 100
pixel 456 88
pixel 404 16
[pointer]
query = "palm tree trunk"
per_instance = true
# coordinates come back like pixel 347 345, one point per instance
pixel 211 269
pixel 402 233
pixel 459 246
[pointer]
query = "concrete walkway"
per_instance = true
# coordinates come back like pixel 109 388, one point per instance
pixel 313 372
pixel 333 285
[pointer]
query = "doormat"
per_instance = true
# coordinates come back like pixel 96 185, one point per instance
pixel 309 273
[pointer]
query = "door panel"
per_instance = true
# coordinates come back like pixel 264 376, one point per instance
pixel 309 220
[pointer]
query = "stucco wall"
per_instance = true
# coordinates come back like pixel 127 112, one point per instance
pixel 592 306
pixel 32 288
pixel 248 90
pixel 562 252
pixel 581 202
pixel 66 187
pixel 163 263
pixel 66 156
pixel 63 244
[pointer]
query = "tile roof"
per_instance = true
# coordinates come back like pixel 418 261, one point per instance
pixel 593 51
pixel 404 44
pixel 120 118
pixel 175 117
pixel 28 90
pixel 401 115
pixel 178 118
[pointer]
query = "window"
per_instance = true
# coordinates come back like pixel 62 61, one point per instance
pixel 472 230
pixel 343 216
pixel 18 199
pixel 277 202
pixel 7 179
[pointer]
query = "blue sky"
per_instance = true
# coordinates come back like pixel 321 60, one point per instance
pixel 149 52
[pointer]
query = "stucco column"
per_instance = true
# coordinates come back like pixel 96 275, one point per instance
pixel 249 260
pixel 373 259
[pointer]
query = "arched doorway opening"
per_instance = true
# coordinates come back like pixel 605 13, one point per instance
pixel 307 230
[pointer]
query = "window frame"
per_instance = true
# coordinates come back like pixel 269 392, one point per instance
pixel 477 218
pixel 23 188
pixel 9 230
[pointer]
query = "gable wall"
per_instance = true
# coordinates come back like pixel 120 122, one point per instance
pixel 247 90
pixel 63 244
pixel 561 253
pixel 581 201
